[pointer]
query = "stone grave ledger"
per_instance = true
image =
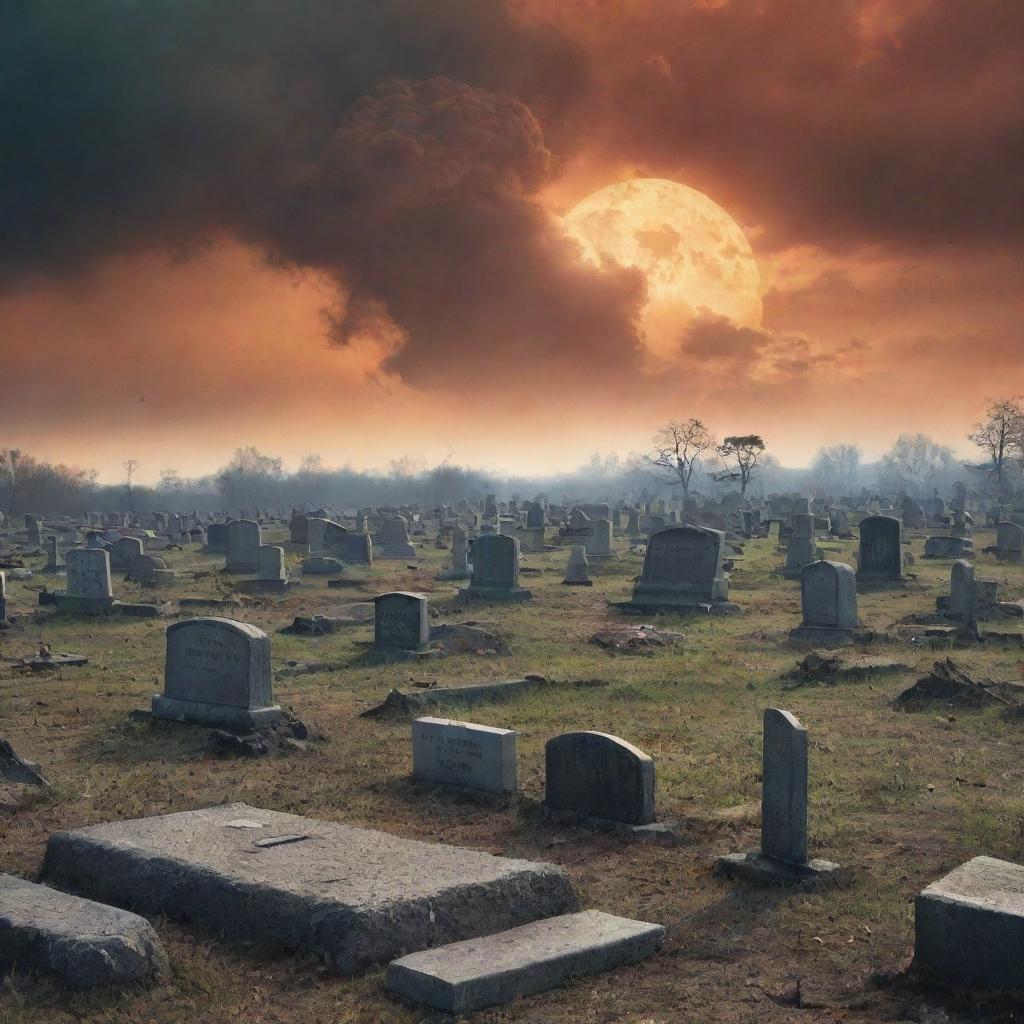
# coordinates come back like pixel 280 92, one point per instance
pixel 596 775
pixel 464 754
pixel 969 925
pixel 356 897
pixel 400 620
pixel 217 672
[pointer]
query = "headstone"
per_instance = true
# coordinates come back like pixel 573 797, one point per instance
pixel 34 530
pixel 1009 542
pixel 394 536
pixel 802 548
pixel 244 540
pixel 495 572
pixel 599 543
pixel 595 775
pixel 828 603
pixel 463 754
pixel 217 673
pixel 124 552
pixel 963 596
pixel 683 568
pixel 881 553
pixel 217 539
pixel 914 517
pixel 577 572
pixel 144 569
pixel 460 555
pixel 535 518
pixel 88 579
pixel 358 549
pixel 3 596
pixel 633 524
pixel 53 563
pixel 948 547
pixel 783 856
pixel 969 925
pixel 401 620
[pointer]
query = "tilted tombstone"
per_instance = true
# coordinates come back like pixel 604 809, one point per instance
pixel 577 572
pixel 495 572
pixel 124 552
pixel 463 754
pixel 783 855
pixel 1009 542
pixel 596 775
pixel 828 603
pixel 217 673
pixel 394 537
pixel 401 620
pixel 244 539
pixel 683 568
pixel 880 555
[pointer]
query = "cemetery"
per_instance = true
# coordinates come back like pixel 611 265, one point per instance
pixel 511 512
pixel 213 780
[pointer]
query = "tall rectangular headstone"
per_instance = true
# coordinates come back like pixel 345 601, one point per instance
pixel 244 539
pixel 784 788
pixel 401 621
pixel 89 574
pixel 880 554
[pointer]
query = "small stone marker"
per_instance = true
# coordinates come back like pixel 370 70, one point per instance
pixel 466 976
pixel 83 943
pixel 401 621
pixel 595 775
pixel 353 896
pixel 783 856
pixel 217 673
pixel 969 925
pixel 463 754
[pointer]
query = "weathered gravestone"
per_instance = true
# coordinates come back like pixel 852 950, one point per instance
pixel 124 552
pixel 801 549
pixel 963 595
pixel 216 539
pixel 914 517
pixel 594 775
pixel 53 564
pixel 495 574
pixel 89 590
pixel 683 569
pixel 244 538
pixel 828 603
pixel 577 572
pixel 271 572
pixel 783 855
pixel 463 754
pixel 3 596
pixel 1009 542
pixel 535 517
pixel 394 537
pixel 358 549
pixel 948 547
pixel 217 673
pixel 880 557
pixel 633 524
pixel 400 621
pixel 599 543
pixel 969 925
pixel 35 532
pixel 460 556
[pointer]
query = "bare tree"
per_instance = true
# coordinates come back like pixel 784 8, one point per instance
pixel 10 463
pixel 129 466
pixel 745 450
pixel 678 450
pixel 1001 435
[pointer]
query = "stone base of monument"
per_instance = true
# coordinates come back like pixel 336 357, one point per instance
pixel 761 870
pixel 265 586
pixel 467 976
pixel 494 594
pixel 969 925
pixel 217 716
pixel 82 605
pixel 826 636
pixel 354 896
pixel 83 943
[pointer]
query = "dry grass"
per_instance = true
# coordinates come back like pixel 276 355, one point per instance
pixel 899 798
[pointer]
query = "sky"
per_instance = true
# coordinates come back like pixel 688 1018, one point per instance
pixel 337 228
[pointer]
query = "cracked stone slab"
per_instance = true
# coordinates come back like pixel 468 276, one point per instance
pixel 354 896
pixel 466 976
pixel 84 943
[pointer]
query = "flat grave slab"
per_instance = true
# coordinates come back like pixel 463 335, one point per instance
pixel 969 925
pixel 81 942
pixel 355 896
pixel 466 976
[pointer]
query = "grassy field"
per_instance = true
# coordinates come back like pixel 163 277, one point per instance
pixel 898 798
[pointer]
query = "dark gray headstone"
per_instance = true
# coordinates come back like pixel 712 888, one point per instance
pixel 784 788
pixel 400 619
pixel 881 553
